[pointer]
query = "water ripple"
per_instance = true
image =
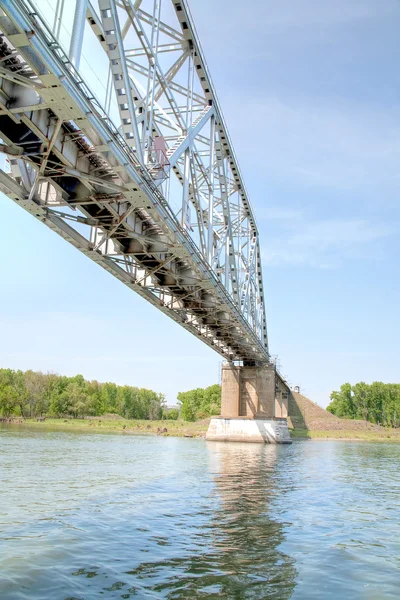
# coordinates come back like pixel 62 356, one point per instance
pixel 92 516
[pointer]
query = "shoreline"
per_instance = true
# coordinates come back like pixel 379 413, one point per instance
pixel 197 429
pixel 164 428
pixel 346 435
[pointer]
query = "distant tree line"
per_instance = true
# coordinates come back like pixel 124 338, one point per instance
pixel 36 394
pixel 33 394
pixel 376 402
pixel 200 403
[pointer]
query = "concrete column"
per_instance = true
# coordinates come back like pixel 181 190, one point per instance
pixel 285 405
pixel 266 382
pixel 248 391
pixel 230 394
pixel 278 403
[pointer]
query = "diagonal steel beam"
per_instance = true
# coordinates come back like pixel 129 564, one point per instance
pixel 176 152
pixel 121 80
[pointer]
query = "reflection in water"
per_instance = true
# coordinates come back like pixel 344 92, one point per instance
pixel 240 558
pixel 104 516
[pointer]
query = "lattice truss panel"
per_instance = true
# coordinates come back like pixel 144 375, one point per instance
pixel 115 139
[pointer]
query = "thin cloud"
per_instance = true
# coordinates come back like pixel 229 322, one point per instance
pixel 325 243
pixel 308 13
pixel 302 22
pixel 326 144
pixel 270 15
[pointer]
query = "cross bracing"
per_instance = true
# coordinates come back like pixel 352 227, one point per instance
pixel 115 140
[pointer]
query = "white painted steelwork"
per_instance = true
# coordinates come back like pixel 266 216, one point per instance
pixel 117 142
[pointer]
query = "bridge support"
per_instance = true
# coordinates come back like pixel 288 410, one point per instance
pixel 254 406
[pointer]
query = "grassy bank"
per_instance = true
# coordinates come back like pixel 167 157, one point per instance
pixel 350 431
pixel 123 426
pixel 388 435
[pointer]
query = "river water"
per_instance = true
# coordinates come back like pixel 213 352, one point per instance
pixel 87 516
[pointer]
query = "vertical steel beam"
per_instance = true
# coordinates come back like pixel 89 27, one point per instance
pixel 78 29
pixel 121 70
pixel 185 198
pixel 151 80
pixel 189 96
pixel 58 18
pixel 210 231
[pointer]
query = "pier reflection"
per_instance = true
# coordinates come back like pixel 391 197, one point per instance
pixel 247 537
pixel 234 551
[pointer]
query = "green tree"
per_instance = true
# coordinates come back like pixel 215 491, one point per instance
pixel 76 399
pixel 58 398
pixel 200 403
pixel 188 412
pixel 342 404
pixel 361 398
pixel 8 400
pixel 33 393
pixel 377 402
pixel 34 385
pixel 171 414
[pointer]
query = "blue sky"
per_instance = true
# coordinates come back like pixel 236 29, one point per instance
pixel 310 90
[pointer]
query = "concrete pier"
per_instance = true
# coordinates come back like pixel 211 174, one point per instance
pixel 243 429
pixel 254 406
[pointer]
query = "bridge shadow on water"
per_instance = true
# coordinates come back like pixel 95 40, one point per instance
pixel 236 554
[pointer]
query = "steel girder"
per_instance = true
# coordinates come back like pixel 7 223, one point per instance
pixel 143 180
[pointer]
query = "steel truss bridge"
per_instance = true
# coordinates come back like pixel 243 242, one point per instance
pixel 115 139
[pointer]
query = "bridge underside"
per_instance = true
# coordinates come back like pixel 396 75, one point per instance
pixel 105 189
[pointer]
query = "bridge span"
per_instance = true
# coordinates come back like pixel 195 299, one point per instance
pixel 115 139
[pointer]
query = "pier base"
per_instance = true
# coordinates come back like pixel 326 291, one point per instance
pixel 243 429
pixel 254 406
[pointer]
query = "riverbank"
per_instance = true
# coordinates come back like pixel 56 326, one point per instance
pixel 349 435
pixel 198 429
pixel 120 425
